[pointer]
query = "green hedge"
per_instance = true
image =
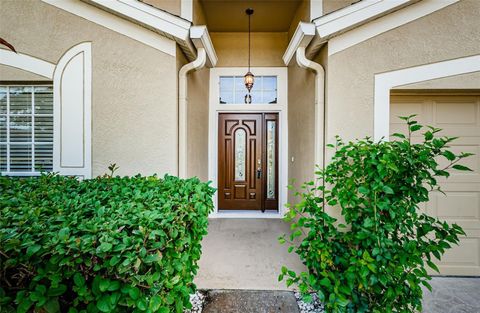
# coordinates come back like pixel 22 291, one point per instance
pixel 109 244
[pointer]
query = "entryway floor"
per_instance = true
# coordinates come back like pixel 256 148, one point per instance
pixel 245 254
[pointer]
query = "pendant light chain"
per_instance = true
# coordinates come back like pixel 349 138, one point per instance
pixel 249 16
pixel 249 77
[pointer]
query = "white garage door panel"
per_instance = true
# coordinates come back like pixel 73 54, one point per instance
pixel 458 116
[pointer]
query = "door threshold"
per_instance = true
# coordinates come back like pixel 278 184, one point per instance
pixel 245 214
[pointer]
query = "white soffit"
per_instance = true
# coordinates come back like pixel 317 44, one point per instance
pixel 301 38
pixel 386 23
pixel 116 24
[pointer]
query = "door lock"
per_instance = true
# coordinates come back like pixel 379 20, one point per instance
pixel 259 172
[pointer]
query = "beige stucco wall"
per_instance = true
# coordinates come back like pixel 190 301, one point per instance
pixel 134 111
pixel 198 93
pixel 172 6
pixel 446 34
pixel 19 75
pixel 465 81
pixel 266 48
pixel 301 125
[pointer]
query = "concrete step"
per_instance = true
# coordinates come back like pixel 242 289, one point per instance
pixel 250 301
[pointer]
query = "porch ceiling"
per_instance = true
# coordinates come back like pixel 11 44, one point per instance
pixel 269 16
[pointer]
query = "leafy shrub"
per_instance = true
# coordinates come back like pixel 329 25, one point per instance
pixel 110 244
pixel 376 260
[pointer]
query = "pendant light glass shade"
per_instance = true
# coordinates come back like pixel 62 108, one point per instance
pixel 249 79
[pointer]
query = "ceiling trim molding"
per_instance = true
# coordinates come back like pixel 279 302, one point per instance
pixel 301 38
pixel 117 24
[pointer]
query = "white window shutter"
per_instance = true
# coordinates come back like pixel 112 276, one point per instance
pixel 72 112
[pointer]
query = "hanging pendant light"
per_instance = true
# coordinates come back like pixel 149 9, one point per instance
pixel 249 78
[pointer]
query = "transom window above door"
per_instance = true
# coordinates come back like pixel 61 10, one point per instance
pixel 26 129
pixel 233 91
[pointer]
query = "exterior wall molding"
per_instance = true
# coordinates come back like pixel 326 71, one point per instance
pixel 148 15
pixel 386 23
pixel 384 82
pixel 355 14
pixel 72 121
pixel 27 63
pixel 281 108
pixel 117 24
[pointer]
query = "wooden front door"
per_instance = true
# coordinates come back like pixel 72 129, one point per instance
pixel 248 161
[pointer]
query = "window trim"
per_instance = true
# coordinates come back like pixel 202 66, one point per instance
pixel 8 115
pixel 72 72
pixel 234 90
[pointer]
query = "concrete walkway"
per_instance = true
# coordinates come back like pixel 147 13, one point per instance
pixel 450 295
pixel 245 254
pixel 453 295
pixel 250 301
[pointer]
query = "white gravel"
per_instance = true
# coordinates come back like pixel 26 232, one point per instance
pixel 313 307
pixel 197 300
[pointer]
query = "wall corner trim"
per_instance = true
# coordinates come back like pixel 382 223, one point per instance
pixel 384 82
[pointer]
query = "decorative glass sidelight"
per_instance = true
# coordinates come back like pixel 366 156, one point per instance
pixel 271 132
pixel 240 154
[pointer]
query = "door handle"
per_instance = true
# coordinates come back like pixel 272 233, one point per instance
pixel 259 173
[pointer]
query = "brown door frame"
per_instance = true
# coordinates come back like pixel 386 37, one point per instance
pixel 226 187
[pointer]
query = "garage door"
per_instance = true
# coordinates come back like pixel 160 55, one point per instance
pixel 458 116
